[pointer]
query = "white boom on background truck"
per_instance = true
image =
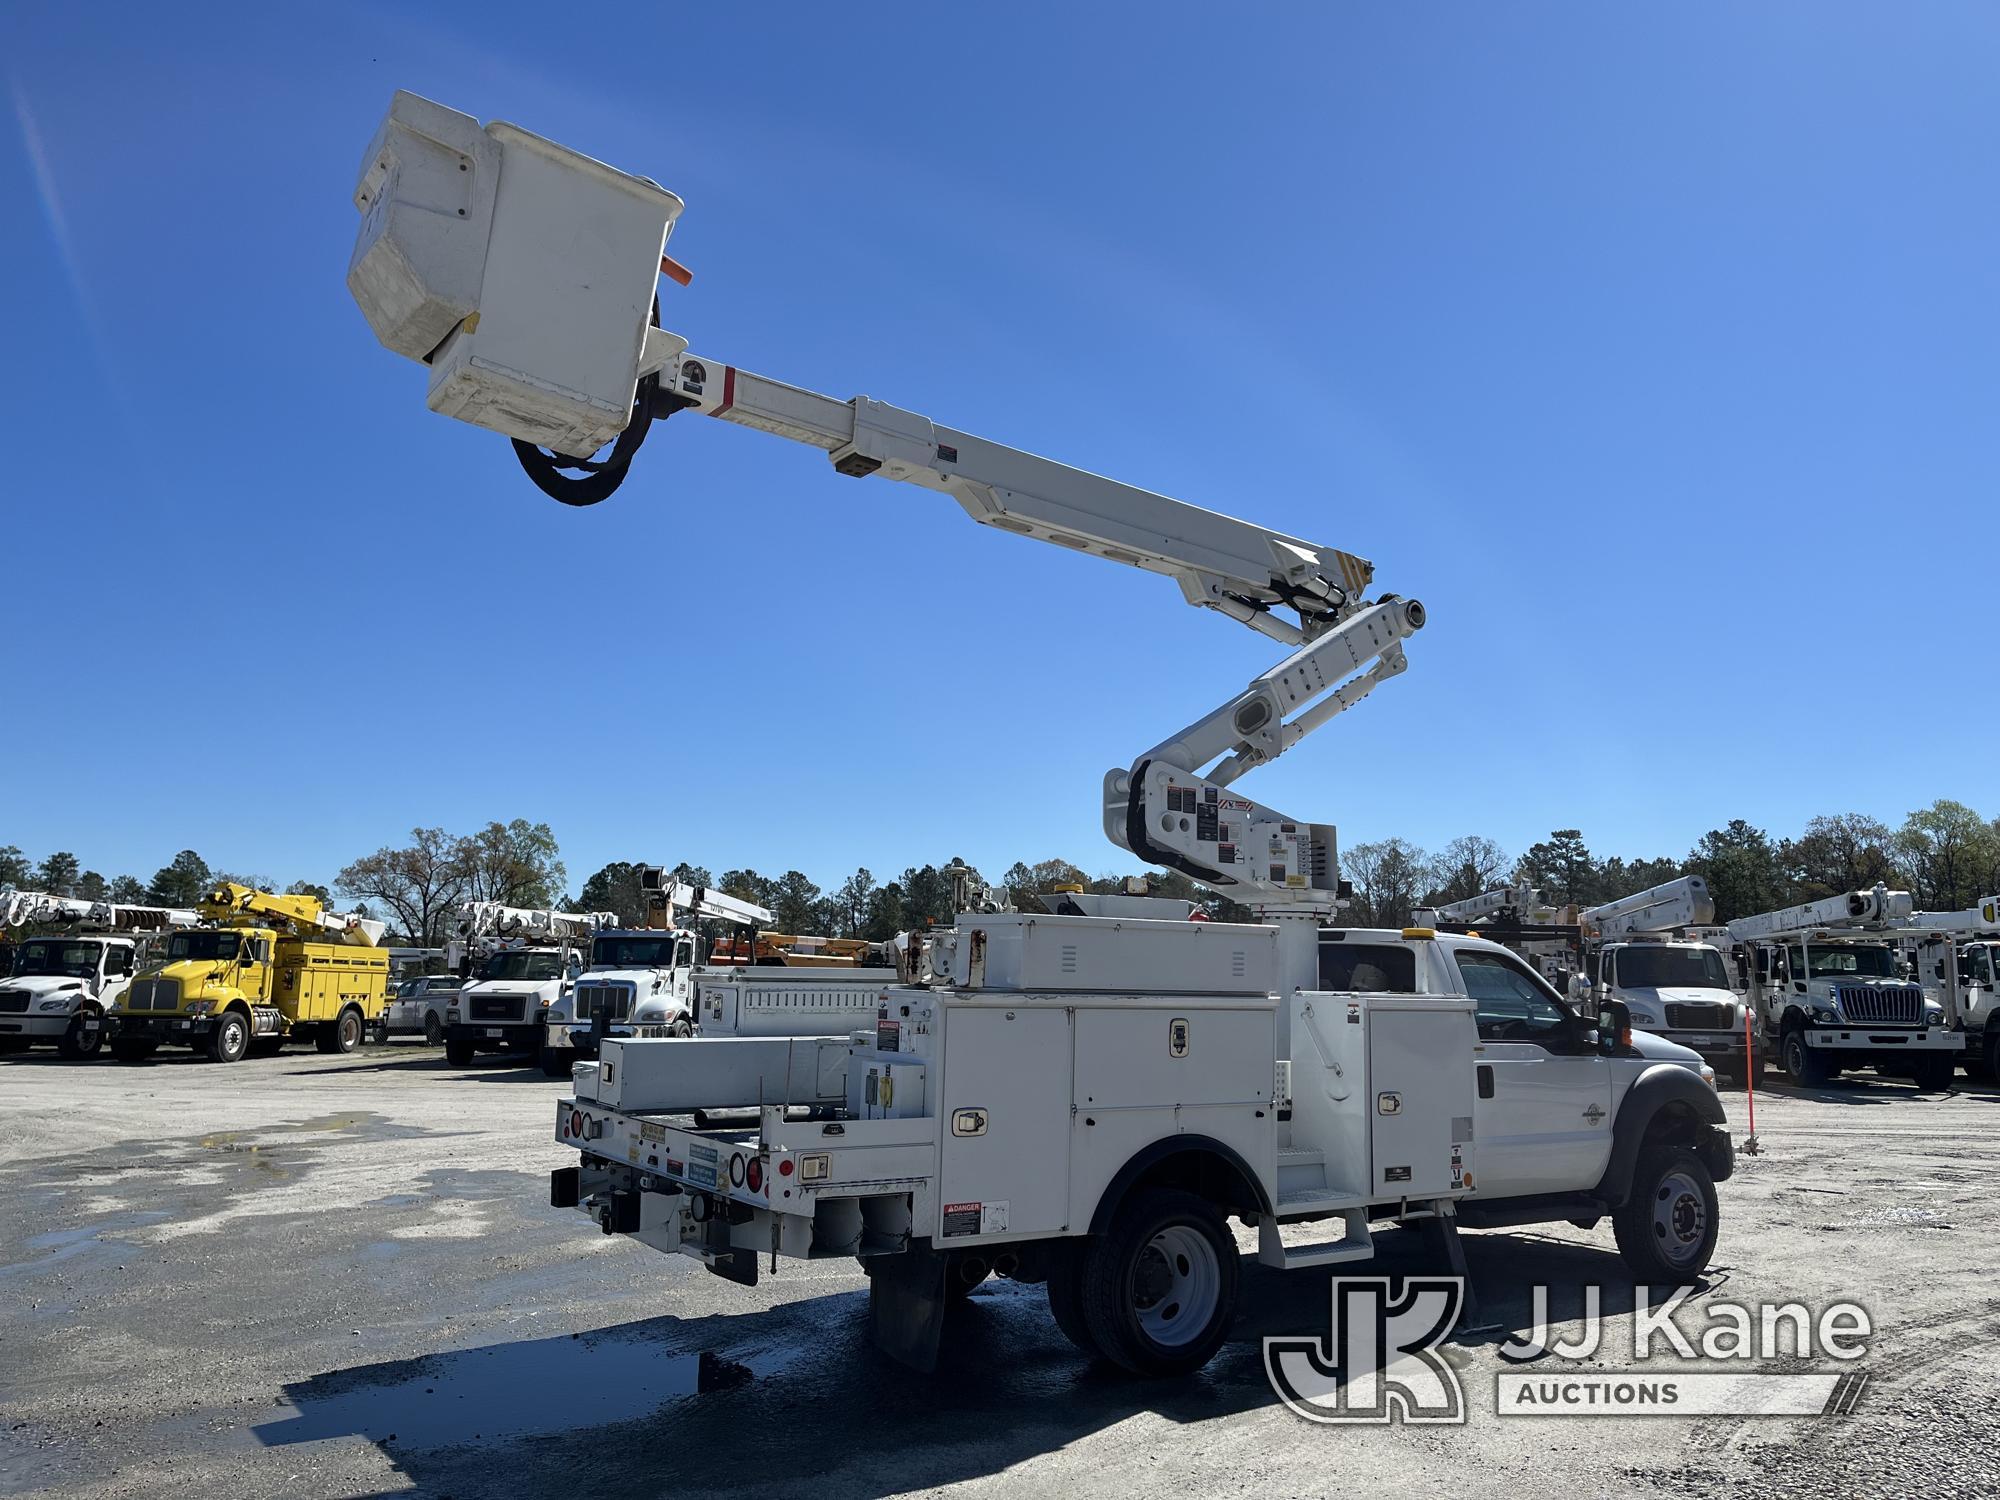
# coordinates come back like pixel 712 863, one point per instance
pixel 61 984
pixel 1083 1100
pixel 1827 985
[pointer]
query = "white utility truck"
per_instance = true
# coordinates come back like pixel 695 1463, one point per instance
pixel 1644 949
pixel 640 981
pixel 1829 988
pixel 62 983
pixel 1083 1100
pixel 1956 955
pixel 517 963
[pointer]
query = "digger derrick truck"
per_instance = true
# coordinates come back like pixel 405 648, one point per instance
pixel 518 963
pixel 262 970
pixel 1956 955
pixel 1082 1101
pixel 1828 986
pixel 58 986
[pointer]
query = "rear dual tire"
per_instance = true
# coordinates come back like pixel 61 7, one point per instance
pixel 1155 1294
pixel 343 1036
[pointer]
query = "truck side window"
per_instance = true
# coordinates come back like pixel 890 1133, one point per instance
pixel 1370 968
pixel 1510 1007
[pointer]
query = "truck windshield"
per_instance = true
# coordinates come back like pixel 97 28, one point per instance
pixel 1657 968
pixel 78 960
pixel 633 952
pixel 202 945
pixel 527 966
pixel 1861 963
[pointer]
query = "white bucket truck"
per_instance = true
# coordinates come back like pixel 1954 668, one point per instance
pixel 518 964
pixel 62 983
pixel 1084 1100
pixel 1647 950
pixel 1831 991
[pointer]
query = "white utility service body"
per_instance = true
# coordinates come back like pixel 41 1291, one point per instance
pixel 1001 1117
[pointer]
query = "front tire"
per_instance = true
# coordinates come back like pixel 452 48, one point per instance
pixel 1159 1290
pixel 1666 1230
pixel 557 1062
pixel 229 1040
pixel 459 1054
pixel 81 1041
pixel 1936 1073
pixel 1803 1065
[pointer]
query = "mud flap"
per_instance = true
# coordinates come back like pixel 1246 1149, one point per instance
pixel 906 1305
pixel 1441 1231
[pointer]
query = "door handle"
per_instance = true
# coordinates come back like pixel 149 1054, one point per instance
pixel 1486 1080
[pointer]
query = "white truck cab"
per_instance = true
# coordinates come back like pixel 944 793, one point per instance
pixel 1679 990
pixel 638 982
pixel 60 988
pixel 503 1004
pixel 1837 1003
pixel 1979 1000
pixel 1085 1101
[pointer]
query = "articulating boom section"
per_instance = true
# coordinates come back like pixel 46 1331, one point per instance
pixel 471 258
pixel 1678 903
pixel 233 903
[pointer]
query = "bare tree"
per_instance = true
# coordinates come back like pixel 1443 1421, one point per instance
pixel 418 884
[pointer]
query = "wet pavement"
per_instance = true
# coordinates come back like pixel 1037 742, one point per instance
pixel 339 1277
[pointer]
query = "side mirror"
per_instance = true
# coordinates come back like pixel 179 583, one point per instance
pixel 1614 1027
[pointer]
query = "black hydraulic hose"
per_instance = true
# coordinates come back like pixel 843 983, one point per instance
pixel 598 480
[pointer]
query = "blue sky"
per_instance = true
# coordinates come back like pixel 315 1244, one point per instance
pixel 1655 349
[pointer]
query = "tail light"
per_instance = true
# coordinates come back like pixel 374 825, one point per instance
pixel 576 1124
pixel 753 1175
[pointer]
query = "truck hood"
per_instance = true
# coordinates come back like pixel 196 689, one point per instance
pixel 510 989
pixel 1678 995
pixel 1659 1049
pixel 41 986
pixel 639 979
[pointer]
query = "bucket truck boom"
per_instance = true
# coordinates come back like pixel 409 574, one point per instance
pixel 1065 1084
pixel 469 260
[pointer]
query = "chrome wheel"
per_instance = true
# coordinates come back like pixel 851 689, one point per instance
pixel 1175 1285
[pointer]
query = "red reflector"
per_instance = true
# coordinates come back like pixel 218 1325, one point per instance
pixel 753 1176
pixel 576 1122
pixel 785 1167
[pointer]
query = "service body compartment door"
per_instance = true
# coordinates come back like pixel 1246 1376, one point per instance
pixel 1420 1096
pixel 1005 1109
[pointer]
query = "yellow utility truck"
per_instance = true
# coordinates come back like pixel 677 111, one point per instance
pixel 264 969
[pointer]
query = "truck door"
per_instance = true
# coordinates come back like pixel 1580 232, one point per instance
pixel 1543 1112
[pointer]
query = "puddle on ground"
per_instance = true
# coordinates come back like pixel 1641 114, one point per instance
pixel 62 1245
pixel 499 1393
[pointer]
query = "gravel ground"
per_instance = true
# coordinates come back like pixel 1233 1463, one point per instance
pixel 325 1276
